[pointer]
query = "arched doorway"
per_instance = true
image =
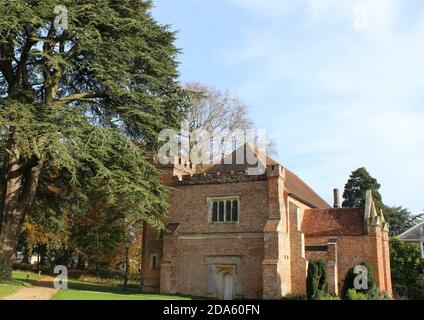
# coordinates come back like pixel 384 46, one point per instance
pixel 225 278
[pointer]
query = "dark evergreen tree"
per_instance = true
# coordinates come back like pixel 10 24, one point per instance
pixel 350 278
pixel 360 181
pixel 86 101
pixel 316 280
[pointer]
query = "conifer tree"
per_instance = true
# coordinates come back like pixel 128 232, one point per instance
pixel 85 86
pixel 360 181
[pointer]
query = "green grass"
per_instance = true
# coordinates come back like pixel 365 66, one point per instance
pixel 79 290
pixel 20 279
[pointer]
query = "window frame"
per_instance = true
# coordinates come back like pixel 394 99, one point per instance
pixel 224 199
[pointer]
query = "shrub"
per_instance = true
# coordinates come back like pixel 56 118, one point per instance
pixel 326 296
pixel 352 294
pixel 418 290
pixel 322 267
pixel 407 266
pixel 350 278
pixel 316 281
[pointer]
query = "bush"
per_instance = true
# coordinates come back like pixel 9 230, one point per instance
pixel 352 294
pixel 349 282
pixel 316 281
pixel 418 290
pixel 407 268
pixel 326 296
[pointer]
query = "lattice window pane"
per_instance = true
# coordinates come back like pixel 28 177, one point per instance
pixel 215 211
pixel 235 211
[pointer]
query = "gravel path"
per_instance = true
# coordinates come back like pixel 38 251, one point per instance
pixel 41 290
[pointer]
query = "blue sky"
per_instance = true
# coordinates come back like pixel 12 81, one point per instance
pixel 337 84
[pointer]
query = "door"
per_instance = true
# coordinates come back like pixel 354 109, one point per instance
pixel 228 286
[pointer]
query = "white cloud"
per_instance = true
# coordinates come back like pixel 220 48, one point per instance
pixel 349 97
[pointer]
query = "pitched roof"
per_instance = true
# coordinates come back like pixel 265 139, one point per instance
pixel 295 186
pixel 415 233
pixel 333 222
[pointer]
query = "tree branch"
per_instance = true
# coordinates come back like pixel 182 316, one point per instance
pixel 81 97
pixel 21 71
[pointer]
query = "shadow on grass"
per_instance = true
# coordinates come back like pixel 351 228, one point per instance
pixel 23 278
pixel 83 286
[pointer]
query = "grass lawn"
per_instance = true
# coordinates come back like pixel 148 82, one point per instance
pixel 79 290
pixel 20 279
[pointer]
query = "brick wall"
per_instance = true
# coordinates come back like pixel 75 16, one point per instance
pixel 352 251
pixel 197 241
pixel 265 247
pixel 150 279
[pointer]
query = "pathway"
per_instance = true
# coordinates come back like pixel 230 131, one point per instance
pixel 43 289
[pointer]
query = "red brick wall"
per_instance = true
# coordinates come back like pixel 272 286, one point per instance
pixel 266 242
pixel 353 250
pixel 151 245
pixel 188 206
pixel 193 277
pixel 198 239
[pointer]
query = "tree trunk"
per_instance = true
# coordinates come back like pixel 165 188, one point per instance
pixel 8 241
pixel 81 263
pixel 19 181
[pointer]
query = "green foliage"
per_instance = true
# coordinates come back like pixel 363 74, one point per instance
pixel 359 183
pixel 401 219
pixel 316 281
pixel 328 297
pixel 352 294
pixel 419 287
pixel 407 269
pixel 87 103
pixel 348 283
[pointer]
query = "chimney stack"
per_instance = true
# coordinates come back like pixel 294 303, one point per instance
pixel 336 198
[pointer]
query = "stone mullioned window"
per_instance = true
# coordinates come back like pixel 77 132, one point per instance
pixel 224 210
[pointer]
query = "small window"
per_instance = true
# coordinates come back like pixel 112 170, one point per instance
pixel 154 262
pixel 224 210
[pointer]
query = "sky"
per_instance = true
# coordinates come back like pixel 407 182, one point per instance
pixel 337 84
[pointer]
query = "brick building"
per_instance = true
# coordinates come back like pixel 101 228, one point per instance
pixel 234 235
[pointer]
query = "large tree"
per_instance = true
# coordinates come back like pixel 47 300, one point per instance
pixel 360 181
pixel 84 100
pixel 223 115
pixel 211 109
pixel 401 219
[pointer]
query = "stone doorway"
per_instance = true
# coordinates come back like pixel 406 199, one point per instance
pixel 228 286
pixel 225 276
